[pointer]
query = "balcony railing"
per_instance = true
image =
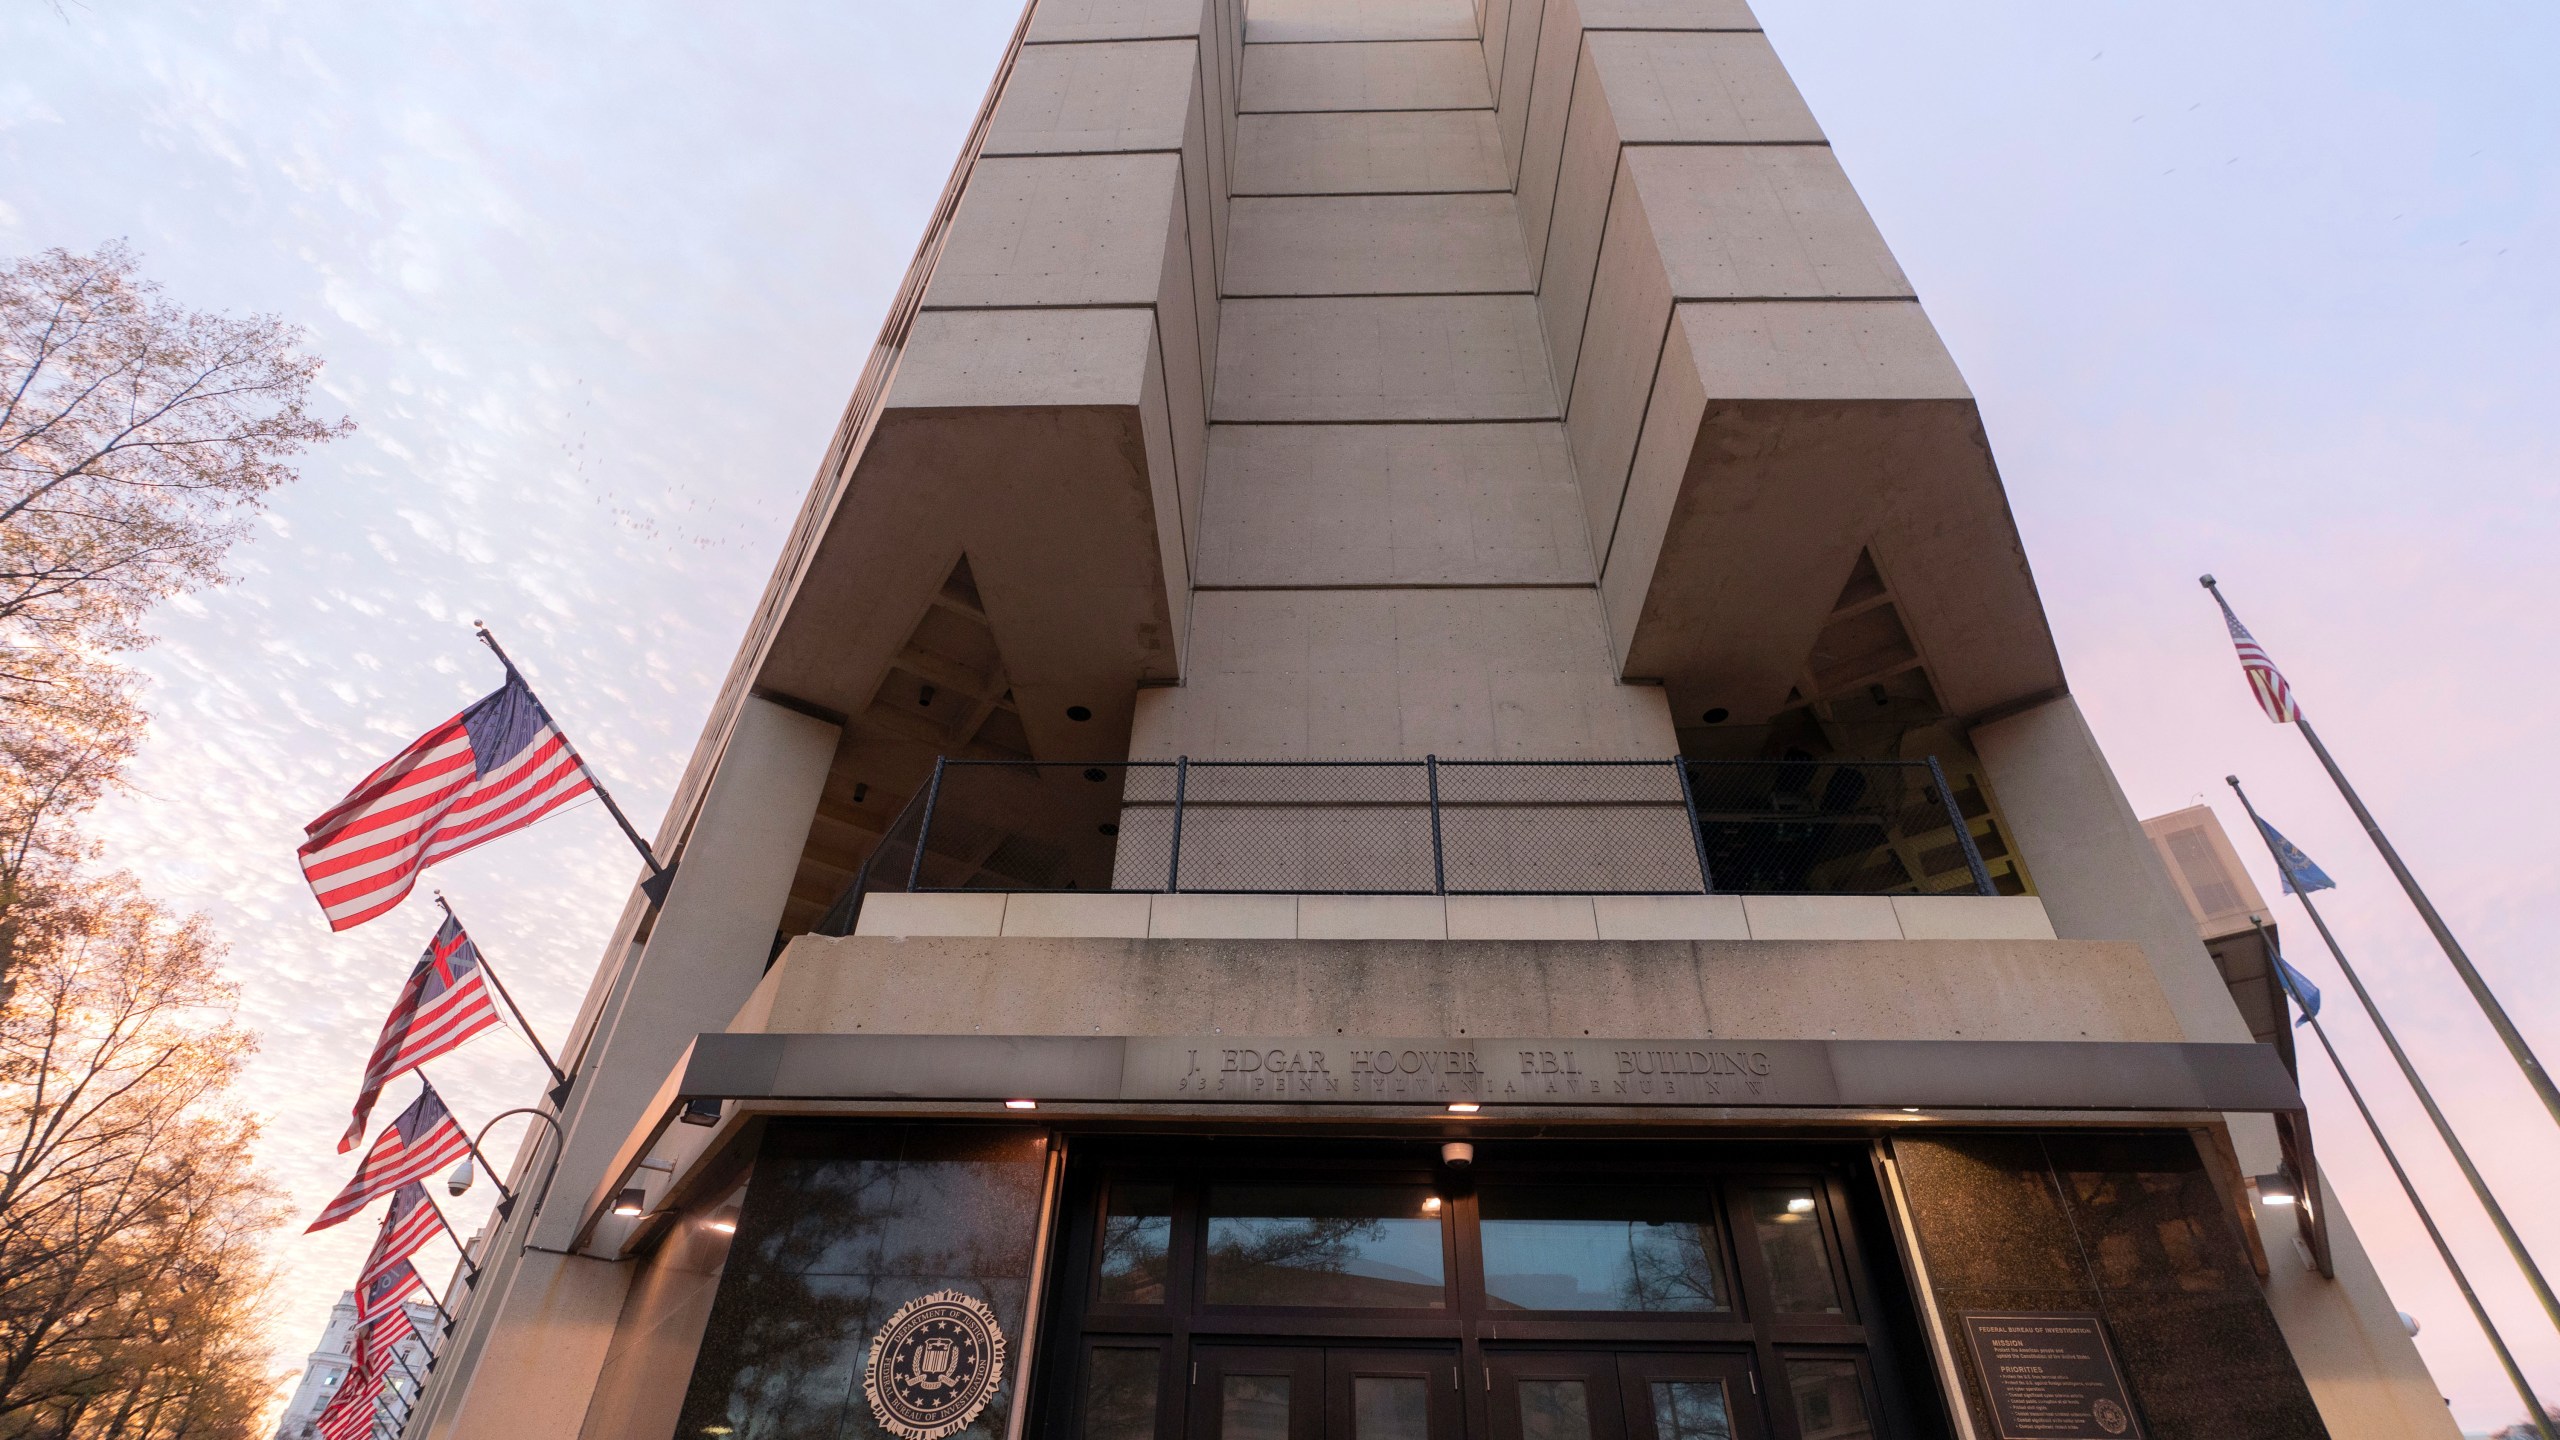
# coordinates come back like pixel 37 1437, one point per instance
pixel 1427 827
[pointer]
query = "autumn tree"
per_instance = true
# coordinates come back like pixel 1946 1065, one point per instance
pixel 131 1276
pixel 137 440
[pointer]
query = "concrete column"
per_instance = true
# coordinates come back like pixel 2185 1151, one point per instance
pixel 527 1362
pixel 2099 876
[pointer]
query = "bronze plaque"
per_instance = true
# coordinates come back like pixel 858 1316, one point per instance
pixel 2050 1376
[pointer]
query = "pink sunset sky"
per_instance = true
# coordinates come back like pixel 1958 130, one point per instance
pixel 2265 290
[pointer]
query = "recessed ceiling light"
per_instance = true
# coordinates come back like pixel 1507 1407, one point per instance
pixel 1078 713
pixel 1716 716
pixel 1022 1104
pixel 1464 1107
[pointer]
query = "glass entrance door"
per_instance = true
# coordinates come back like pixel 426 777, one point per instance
pixel 1332 1393
pixel 1601 1396
pixel 1291 1291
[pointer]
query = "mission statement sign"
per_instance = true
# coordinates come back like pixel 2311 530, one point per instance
pixel 2050 1376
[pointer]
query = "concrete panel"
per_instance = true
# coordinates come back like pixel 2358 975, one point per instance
pixel 1062 230
pixel 1972 917
pixel 1392 505
pixel 1372 917
pixel 1885 350
pixel 1613 378
pixel 1184 357
pixel 1671 917
pixel 1630 550
pixel 1568 240
pixel 1173 498
pixel 1068 21
pixel 1708 88
pixel 1276 21
pixel 1843 989
pixel 896 912
pixel 1759 221
pixel 2364 1371
pixel 534 1368
pixel 1821 917
pixel 1376 245
pixel 1537 86
pixel 1398 75
pixel 1120 916
pixel 1223 917
pixel 1668 15
pixel 1405 358
pixel 1521 917
pixel 1082 99
pixel 1349 674
pixel 2095 870
pixel 1347 153
pixel 1024 357
pixel 711 940
pixel 1493 24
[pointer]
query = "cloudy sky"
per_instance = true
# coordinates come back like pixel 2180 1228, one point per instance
pixel 2267 290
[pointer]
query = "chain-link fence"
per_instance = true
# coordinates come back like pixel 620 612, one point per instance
pixel 1426 827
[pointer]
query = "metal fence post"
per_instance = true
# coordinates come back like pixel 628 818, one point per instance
pixel 1439 866
pixel 1697 832
pixel 1964 832
pixel 1181 779
pixel 932 793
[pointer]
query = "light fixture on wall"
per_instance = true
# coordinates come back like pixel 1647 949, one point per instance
pixel 628 1202
pixel 1022 1104
pixel 1464 1107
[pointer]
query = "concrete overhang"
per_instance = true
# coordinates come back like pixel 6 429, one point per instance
pixel 1722 1081
pixel 1784 439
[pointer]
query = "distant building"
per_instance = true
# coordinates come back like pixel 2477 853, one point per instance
pixel 328 1365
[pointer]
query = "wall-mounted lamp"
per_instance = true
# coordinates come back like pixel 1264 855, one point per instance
pixel 628 1202
pixel 2278 1189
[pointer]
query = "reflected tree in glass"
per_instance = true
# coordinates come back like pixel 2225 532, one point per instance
pixel 1690 1410
pixel 1137 1236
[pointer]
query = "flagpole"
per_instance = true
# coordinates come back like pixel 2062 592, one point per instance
pixel 2444 1252
pixel 473 1145
pixel 2409 1072
pixel 2516 1044
pixel 557 1075
pixel 660 876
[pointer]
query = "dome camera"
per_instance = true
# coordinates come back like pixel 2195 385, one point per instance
pixel 1457 1154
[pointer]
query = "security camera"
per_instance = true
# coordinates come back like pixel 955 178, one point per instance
pixel 1457 1154
pixel 460 1179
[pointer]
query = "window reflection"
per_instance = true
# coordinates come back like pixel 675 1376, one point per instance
pixel 1690 1410
pixel 1254 1407
pixel 1390 1407
pixel 1788 1223
pixel 1120 1395
pixel 1629 1249
pixel 1329 1245
pixel 1137 1234
pixel 1554 1410
pixel 1830 1403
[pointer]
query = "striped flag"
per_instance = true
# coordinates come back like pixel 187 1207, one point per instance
pixel 2265 681
pixel 496 767
pixel 445 1002
pixel 382 1293
pixel 422 1141
pixel 349 1415
pixel 406 1227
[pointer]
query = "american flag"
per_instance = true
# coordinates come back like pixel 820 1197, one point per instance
pixel 445 1002
pixel 422 1141
pixel 406 1227
pixel 496 767
pixel 350 1413
pixel 381 1294
pixel 2265 681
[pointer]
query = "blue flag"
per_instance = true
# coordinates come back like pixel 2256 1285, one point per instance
pixel 2297 984
pixel 2300 875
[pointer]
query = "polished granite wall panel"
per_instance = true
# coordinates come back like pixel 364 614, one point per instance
pixel 843 1223
pixel 2126 1225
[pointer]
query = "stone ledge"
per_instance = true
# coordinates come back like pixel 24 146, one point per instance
pixel 1459 917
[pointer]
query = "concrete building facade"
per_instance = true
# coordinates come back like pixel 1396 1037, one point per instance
pixel 1404 778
